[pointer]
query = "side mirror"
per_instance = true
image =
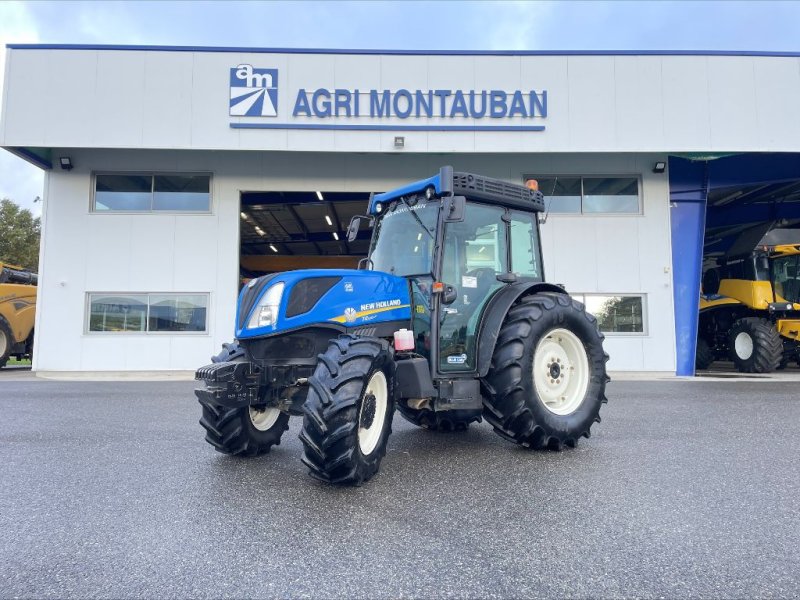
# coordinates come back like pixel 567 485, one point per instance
pixel 455 207
pixel 355 224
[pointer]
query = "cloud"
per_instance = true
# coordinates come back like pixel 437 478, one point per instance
pixel 19 180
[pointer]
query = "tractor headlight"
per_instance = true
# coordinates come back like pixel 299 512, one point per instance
pixel 265 313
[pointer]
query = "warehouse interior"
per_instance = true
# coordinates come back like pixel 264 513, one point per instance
pixel 282 231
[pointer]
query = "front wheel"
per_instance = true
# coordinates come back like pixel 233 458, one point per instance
pixel 245 431
pixel 755 345
pixel 548 375
pixel 348 412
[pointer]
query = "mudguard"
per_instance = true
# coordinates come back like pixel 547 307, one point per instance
pixel 495 313
pixel 342 298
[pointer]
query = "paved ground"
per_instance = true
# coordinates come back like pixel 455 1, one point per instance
pixel 686 489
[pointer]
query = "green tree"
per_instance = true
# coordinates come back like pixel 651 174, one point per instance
pixel 19 236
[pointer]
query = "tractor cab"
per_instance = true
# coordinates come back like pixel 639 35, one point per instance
pixel 785 273
pixel 459 239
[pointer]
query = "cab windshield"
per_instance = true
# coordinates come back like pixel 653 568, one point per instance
pixel 786 278
pixel 404 238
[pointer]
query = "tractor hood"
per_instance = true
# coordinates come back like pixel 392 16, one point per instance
pixel 343 297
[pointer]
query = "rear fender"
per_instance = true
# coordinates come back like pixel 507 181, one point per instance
pixel 495 313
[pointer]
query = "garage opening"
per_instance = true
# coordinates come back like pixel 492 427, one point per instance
pixel 736 252
pixel 283 231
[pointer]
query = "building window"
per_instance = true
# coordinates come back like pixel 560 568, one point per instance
pixel 615 313
pixel 173 192
pixel 590 195
pixel 147 313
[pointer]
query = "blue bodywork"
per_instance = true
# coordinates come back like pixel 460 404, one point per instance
pixel 359 298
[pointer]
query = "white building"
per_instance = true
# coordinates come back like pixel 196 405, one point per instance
pixel 169 148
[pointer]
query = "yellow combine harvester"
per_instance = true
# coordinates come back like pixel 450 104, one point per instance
pixel 750 310
pixel 17 312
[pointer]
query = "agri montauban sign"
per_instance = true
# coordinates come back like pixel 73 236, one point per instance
pixel 254 93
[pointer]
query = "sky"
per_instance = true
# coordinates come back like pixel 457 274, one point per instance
pixel 408 25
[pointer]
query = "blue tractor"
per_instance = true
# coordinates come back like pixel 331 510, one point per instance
pixel 448 319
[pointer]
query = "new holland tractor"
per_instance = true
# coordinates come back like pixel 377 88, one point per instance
pixel 750 310
pixel 448 320
pixel 17 312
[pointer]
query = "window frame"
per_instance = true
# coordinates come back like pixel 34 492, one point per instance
pixel 581 297
pixel 152 175
pixel 88 314
pixel 582 213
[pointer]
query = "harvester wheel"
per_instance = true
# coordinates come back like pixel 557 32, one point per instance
pixel 348 411
pixel 435 421
pixel 245 431
pixel 755 345
pixel 704 355
pixel 548 376
pixel 6 341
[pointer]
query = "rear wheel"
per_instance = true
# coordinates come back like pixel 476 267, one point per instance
pixel 348 411
pixel 704 355
pixel 755 345
pixel 548 375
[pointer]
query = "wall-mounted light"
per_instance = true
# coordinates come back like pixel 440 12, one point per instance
pixel 336 236
pixel 66 163
pixel 244 216
pixel 399 141
pixel 273 248
pixel 660 166
pixel 328 220
pixel 319 195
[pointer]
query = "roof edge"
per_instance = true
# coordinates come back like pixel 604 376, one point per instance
pixel 156 48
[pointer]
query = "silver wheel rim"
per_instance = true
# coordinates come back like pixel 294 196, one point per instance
pixel 743 345
pixel 368 436
pixel 264 419
pixel 561 371
pixel 3 342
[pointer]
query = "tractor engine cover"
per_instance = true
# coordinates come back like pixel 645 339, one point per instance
pixel 369 302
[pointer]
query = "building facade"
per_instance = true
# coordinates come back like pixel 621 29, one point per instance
pixel 168 170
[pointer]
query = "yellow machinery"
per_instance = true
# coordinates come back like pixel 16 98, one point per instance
pixel 750 310
pixel 17 312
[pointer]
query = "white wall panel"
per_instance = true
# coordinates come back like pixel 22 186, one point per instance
pixel 684 89
pixel 777 89
pixel 118 102
pixel 167 102
pixel 732 97
pixel 592 113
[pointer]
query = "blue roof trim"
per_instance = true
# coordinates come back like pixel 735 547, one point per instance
pixel 30 157
pixel 345 127
pixel 411 188
pixel 402 52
